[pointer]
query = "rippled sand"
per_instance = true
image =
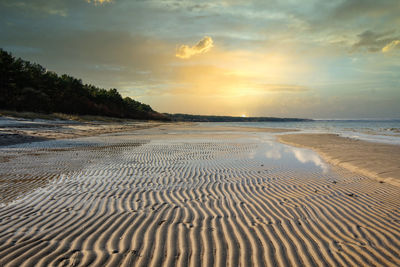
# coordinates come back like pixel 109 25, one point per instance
pixel 190 197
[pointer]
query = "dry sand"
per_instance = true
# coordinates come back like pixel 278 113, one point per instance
pixel 191 196
pixel 378 161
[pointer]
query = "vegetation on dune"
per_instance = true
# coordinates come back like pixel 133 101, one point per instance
pixel 26 86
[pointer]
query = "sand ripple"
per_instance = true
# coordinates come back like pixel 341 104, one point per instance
pixel 201 202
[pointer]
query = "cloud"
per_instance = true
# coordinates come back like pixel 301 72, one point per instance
pixel 353 9
pixel 390 46
pixel 274 152
pixel 40 6
pixel 104 58
pixel 185 51
pixel 373 41
pixel 99 1
pixel 305 156
pixel 283 88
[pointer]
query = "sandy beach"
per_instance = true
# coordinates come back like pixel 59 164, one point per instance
pixel 378 161
pixel 17 130
pixel 190 195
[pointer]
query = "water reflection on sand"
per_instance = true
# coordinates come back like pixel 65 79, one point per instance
pixel 288 155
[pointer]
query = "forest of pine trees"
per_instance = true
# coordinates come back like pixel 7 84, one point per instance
pixel 26 86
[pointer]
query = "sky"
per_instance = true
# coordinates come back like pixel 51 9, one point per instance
pixel 282 58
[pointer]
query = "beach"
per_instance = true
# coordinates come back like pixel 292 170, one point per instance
pixel 14 130
pixel 379 161
pixel 199 195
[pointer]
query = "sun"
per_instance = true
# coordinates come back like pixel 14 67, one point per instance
pixel 243 116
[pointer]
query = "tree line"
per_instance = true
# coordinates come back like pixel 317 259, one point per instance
pixel 213 118
pixel 26 86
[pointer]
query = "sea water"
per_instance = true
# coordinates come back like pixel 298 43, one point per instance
pixel 382 131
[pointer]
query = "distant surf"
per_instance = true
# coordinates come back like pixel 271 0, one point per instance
pixel 381 131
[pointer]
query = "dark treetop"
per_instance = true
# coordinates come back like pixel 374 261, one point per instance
pixel 26 86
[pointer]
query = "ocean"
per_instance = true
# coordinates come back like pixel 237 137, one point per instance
pixel 382 131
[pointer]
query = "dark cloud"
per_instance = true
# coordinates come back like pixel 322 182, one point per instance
pixel 198 7
pixel 373 41
pixel 96 47
pixel 354 9
pixel 38 7
pixel 104 58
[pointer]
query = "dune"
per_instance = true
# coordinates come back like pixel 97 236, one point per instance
pixel 192 196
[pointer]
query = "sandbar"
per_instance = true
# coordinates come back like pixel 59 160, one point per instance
pixel 376 160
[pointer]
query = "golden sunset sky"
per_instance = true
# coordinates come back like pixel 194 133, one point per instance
pixel 308 58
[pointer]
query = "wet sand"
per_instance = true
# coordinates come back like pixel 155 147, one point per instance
pixel 16 130
pixel 378 161
pixel 192 196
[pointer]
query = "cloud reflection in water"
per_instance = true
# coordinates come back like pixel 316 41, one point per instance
pixel 277 151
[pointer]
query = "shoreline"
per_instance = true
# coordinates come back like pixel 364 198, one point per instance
pixel 375 160
pixel 14 131
pixel 19 130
